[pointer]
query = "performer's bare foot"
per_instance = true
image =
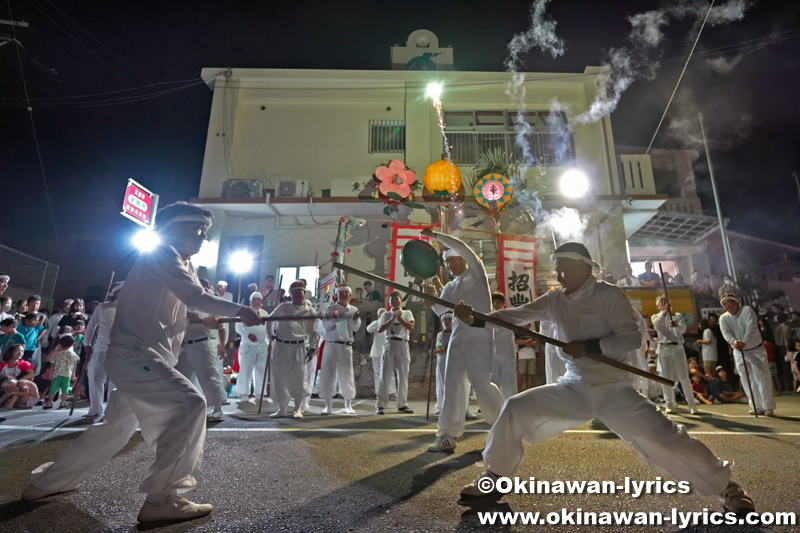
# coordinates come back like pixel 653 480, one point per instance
pixel 173 508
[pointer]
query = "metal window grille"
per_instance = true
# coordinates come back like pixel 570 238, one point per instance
pixel 387 136
pixel 28 272
pixel 547 149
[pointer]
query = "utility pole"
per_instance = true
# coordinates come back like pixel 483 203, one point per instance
pixel 722 230
pixel 797 181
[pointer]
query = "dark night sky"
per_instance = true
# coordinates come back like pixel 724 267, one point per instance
pixel 88 153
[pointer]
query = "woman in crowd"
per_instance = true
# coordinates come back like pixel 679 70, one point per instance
pixel 13 366
pixel 76 313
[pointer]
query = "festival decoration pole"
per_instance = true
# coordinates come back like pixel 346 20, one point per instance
pixel 502 323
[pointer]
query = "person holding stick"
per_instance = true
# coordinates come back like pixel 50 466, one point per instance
pixel 145 340
pixel 739 326
pixel 337 363
pixel 671 354
pixel 396 358
pixel 252 353
pixel 469 354
pixel 590 317
pixel 290 354
pixel 98 331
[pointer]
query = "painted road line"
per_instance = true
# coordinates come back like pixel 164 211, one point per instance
pixel 300 429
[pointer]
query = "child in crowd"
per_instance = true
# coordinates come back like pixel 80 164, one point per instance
pixel 64 361
pixel 700 391
pixel 18 393
pixel 720 389
pixel 13 366
pixel 80 328
pixel 31 329
pixel 8 328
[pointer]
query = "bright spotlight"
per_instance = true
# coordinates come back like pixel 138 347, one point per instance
pixel 241 262
pixel 574 183
pixel 207 256
pixel 434 91
pixel 146 240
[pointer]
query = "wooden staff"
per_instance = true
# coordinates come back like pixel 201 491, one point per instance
pixel 266 374
pixel 503 324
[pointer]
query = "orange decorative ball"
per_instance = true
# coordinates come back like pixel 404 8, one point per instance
pixel 442 178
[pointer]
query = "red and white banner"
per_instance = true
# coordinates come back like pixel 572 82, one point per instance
pixel 516 268
pixel 139 204
pixel 401 234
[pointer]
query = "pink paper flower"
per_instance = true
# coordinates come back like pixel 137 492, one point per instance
pixel 395 178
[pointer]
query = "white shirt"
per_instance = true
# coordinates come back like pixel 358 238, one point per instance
pixel 52 324
pixel 151 311
pixel 295 330
pixel 101 321
pixel 595 311
pixel 625 282
pixel 396 330
pixel 503 344
pixel 260 331
pixel 709 350
pixel 378 338
pixel 743 326
pixel 442 340
pixel 342 328
pixel 666 333
pixel 472 286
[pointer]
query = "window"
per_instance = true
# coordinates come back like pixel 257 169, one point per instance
pixel 472 133
pixel 387 136
pixel 288 275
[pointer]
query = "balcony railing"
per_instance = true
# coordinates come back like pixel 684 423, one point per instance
pixel 547 149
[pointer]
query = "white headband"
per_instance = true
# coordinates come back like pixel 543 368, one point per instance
pixel 223 283
pixel 447 315
pixel 187 218
pixel 729 297
pixel 575 256
pixel 256 294
pixel 344 288
pixel 450 252
pixel 6 278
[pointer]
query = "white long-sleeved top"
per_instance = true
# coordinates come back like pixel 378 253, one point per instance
pixel 101 322
pixel 667 333
pixel 291 330
pixel 378 338
pixel 342 328
pixel 472 286
pixel 743 326
pixel 260 331
pixel 151 311
pixel 596 311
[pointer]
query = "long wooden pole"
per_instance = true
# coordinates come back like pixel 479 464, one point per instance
pixel 503 324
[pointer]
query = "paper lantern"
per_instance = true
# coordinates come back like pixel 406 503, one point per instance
pixel 442 178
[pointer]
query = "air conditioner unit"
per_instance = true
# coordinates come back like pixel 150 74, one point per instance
pixel 242 189
pixel 293 189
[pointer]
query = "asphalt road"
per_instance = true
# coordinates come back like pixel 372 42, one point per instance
pixel 370 473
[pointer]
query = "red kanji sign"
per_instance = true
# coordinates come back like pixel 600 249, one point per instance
pixel 140 204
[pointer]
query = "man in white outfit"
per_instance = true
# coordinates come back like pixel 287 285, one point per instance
pixel 554 366
pixel 672 355
pixel 145 340
pixel 219 349
pixel 98 332
pixel 252 353
pixel 289 353
pixel 504 354
pixel 376 351
pixel 639 356
pixel 593 317
pixel 337 360
pixel 199 358
pixel 739 326
pixel 442 341
pixel 469 355
pixel 396 359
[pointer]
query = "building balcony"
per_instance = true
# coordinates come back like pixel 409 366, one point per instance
pixel 636 174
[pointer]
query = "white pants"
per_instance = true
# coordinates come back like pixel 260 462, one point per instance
pixel 675 367
pixel 504 374
pixel 337 367
pixel 200 359
pixel 223 380
pixel 396 358
pixel 469 360
pixel 288 380
pixel 97 383
pixel 441 361
pixel 758 367
pixel 311 376
pixel 376 371
pixel 151 395
pixel 252 365
pixel 543 412
pixel 554 366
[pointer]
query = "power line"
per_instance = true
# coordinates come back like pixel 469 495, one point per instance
pixel 91 37
pixel 36 140
pixel 91 95
pixel 699 33
pixel 76 39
